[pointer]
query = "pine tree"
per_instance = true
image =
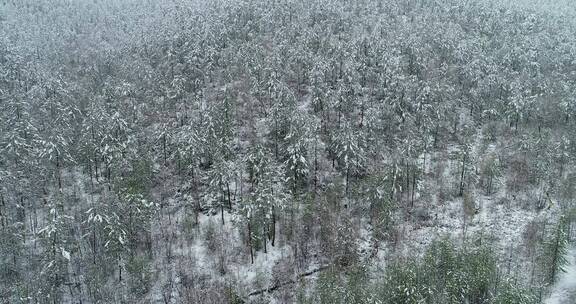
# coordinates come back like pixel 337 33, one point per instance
pixel 56 242
pixel 555 248
pixel 296 141
pixel 511 292
pixel 221 175
pixel 266 199
pixel 348 146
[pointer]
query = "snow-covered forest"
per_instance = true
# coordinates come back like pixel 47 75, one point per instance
pixel 288 151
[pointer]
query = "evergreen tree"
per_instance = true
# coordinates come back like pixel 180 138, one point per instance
pixel 554 252
pixel 350 153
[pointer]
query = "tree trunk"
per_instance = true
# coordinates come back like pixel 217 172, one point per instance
pixel 276 138
pixel 250 242
pixel 413 187
pixel 109 176
pixel 361 116
pixel 164 148
pixel 178 164
pixel 95 167
pixel 273 232
pixel 1 207
pixel 393 182
pixel 229 198
pixel 347 180
pixel 94 248
pixel 295 184
pixel 461 192
pixel 464 228
pixel 436 135
pixel 58 172
pixel 315 165
pixel 91 177
pixel 222 212
pixel 407 182
pixel 264 239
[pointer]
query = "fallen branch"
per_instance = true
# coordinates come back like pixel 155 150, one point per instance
pixel 289 282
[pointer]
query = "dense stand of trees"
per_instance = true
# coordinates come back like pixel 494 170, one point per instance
pixel 288 119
